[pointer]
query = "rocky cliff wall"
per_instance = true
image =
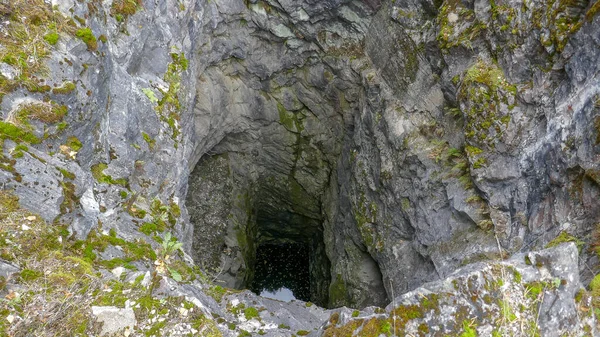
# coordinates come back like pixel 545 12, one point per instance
pixel 406 139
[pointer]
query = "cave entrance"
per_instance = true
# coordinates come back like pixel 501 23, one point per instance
pixel 245 213
pixel 290 260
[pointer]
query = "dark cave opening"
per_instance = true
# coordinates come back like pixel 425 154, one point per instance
pixel 241 222
pixel 290 257
pixel 280 267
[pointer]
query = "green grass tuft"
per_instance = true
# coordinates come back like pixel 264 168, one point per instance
pixel 51 38
pixel 86 35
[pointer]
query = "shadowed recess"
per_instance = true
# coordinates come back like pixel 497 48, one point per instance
pixel 282 266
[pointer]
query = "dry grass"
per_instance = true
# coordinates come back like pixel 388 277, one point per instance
pixel 54 287
pixel 59 281
pixel 45 112
pixel 23 45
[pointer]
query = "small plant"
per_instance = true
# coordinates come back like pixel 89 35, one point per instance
pixel 66 88
pixel 74 143
pixel 125 7
pixel 170 246
pixel 469 329
pixel 149 140
pixel 251 313
pixel 51 38
pixel 86 35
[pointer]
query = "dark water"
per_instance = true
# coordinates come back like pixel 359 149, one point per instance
pixel 282 266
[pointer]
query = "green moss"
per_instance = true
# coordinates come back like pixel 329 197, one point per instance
pixel 251 313
pixel 217 292
pixel 33 27
pixel 125 8
pixel 286 121
pixel 375 327
pixel 207 326
pixel 13 132
pixel 169 106
pixel 506 311
pixel 86 35
pixel 155 330
pixel 116 262
pixel 149 140
pixel 345 330
pixel 485 90
pixel 355 313
pixel 579 295
pixel 337 292
pixel 70 200
pixel 137 212
pixel 468 330
pixel 74 143
pixel 97 171
pixel 51 38
pixel 565 237
pixel 134 251
pixel 66 174
pixel 452 34
pixel 479 163
pixel 535 289
pixel 66 88
pixel 518 276
pixel 595 290
pixel 19 150
pixel 149 228
pixel 28 275
pixel 60 127
pixel 98 174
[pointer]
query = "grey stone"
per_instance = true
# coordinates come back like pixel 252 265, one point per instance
pixel 7 269
pixel 114 319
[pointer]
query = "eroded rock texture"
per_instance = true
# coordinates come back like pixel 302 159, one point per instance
pixel 399 140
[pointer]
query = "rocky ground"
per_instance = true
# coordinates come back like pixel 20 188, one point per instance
pixel 55 285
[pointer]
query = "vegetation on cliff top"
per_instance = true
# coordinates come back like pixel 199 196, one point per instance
pixel 33 28
pixel 60 279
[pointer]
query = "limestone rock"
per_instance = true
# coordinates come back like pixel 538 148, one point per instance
pixel 114 319
pixel 7 269
pixel 528 294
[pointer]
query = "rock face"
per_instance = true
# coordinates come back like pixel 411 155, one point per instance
pixel 526 295
pixel 398 140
